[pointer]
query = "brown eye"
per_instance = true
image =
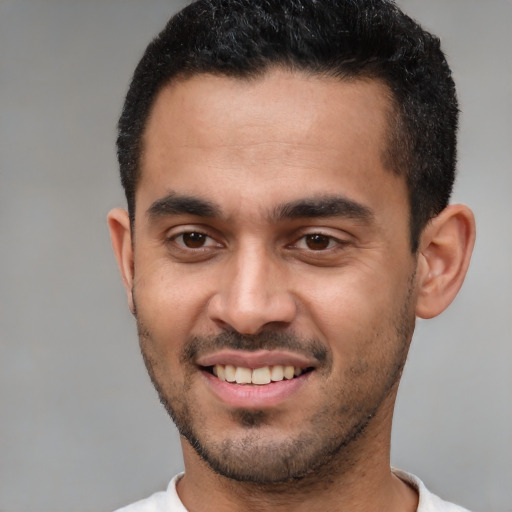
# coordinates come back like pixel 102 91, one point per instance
pixel 194 240
pixel 317 242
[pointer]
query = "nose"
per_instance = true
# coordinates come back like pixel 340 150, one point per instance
pixel 253 293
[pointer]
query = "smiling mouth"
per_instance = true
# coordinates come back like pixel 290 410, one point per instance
pixel 257 376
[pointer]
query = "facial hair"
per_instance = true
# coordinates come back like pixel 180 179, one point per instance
pixel 329 431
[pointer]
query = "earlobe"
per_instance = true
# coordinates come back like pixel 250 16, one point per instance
pixel 121 237
pixel 445 251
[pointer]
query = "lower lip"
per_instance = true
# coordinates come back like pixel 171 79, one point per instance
pixel 249 396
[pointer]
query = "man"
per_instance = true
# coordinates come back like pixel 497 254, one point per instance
pixel 287 167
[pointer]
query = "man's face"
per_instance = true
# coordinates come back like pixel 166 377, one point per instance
pixel 269 243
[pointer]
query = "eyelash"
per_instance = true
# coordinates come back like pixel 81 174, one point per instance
pixel 321 238
pixel 183 246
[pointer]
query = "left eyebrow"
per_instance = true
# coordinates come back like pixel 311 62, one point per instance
pixel 321 207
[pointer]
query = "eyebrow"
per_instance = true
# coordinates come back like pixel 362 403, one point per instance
pixel 310 207
pixel 323 206
pixel 177 204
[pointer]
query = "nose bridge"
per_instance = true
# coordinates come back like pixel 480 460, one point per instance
pixel 253 291
pixel 251 287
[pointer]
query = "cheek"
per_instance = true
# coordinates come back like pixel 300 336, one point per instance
pixel 168 306
pixel 354 312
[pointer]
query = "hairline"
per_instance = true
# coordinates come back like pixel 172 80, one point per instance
pixel 393 116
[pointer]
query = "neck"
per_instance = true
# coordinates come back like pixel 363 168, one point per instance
pixel 358 479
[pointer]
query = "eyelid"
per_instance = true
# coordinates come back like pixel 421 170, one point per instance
pixel 175 233
pixel 207 244
pixel 333 243
pixel 336 240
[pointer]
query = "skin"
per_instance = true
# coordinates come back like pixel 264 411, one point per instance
pixel 215 250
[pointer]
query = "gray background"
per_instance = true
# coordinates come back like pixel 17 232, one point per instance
pixel 81 428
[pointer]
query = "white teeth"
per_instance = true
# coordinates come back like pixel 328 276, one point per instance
pixel 230 373
pixel 289 372
pixel 221 372
pixel 243 375
pixel 259 376
pixel 277 373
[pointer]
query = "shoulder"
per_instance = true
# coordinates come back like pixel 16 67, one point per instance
pixel 163 501
pixel 428 502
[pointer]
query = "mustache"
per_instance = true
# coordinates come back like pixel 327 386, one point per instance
pixel 266 340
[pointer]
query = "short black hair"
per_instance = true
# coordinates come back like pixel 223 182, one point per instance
pixel 346 39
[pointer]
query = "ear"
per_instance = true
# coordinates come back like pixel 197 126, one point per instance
pixel 121 237
pixel 445 249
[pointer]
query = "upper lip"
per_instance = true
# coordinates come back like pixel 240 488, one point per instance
pixel 256 359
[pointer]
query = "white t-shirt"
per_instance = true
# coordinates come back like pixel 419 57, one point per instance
pixel 169 501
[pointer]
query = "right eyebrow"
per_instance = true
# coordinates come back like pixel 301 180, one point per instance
pixel 178 204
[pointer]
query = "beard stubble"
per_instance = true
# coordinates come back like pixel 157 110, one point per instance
pixel 329 431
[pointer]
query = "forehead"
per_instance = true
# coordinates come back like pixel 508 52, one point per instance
pixel 271 135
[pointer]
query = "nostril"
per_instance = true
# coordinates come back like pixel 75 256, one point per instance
pixel 251 317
